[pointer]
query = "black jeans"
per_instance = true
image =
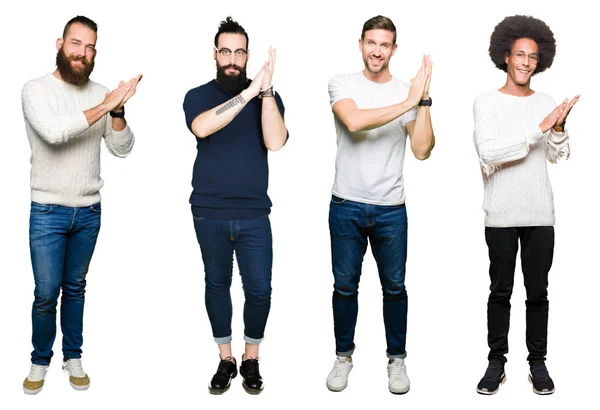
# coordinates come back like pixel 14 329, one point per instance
pixel 537 249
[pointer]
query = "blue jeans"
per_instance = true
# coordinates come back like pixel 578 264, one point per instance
pixel 61 242
pixel 253 245
pixel 351 225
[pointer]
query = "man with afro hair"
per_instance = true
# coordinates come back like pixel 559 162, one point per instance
pixel 516 130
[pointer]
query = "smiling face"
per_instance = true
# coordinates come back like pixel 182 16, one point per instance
pixel 522 62
pixel 76 53
pixel 377 48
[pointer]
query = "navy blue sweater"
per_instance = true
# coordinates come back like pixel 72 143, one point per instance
pixel 231 171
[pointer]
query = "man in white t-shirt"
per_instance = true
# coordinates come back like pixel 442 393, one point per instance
pixel 374 112
pixel 517 130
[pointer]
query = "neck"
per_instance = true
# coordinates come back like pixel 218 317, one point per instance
pixel 381 77
pixel 56 74
pixel 518 90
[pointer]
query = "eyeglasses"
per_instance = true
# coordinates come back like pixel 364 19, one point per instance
pixel 239 54
pixel 521 57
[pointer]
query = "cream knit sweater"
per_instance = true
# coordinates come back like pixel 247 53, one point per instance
pixel 65 150
pixel 512 153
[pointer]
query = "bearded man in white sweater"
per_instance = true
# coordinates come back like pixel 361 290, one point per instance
pixel 517 130
pixel 66 118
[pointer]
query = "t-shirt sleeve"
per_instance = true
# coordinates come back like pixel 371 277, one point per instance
pixel 194 104
pixel 338 89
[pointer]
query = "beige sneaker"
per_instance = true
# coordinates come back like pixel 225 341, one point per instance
pixel 35 381
pixel 79 380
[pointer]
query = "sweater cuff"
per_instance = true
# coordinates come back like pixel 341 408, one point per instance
pixel 533 134
pixel 80 124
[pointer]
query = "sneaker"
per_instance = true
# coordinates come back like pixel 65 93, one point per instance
pixel 338 377
pixel 79 380
pixel 35 381
pixel 398 379
pixel 492 379
pixel 540 379
pixel 252 383
pixel 221 381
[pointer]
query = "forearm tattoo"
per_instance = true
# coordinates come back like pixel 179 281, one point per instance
pixel 238 99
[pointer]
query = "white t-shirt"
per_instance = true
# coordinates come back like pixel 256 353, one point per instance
pixel 368 166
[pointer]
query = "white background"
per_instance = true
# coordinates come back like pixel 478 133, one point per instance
pixel 147 337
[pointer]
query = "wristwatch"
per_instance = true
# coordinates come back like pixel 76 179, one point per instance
pixel 267 93
pixel 118 114
pixel 425 103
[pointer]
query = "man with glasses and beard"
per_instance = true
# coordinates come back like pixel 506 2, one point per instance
pixel 517 131
pixel 236 121
pixel 65 120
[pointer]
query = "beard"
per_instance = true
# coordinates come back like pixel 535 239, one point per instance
pixel 231 83
pixel 374 70
pixel 70 74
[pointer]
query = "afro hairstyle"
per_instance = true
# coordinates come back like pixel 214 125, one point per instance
pixel 513 28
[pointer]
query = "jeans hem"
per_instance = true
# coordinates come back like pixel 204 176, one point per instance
pixel 345 354
pixel 223 340
pixel 252 341
pixel 396 356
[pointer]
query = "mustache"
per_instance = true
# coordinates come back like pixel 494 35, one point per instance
pixel 79 58
pixel 237 67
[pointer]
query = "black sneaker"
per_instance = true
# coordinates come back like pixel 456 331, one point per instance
pixel 221 381
pixel 540 379
pixel 252 383
pixel 493 378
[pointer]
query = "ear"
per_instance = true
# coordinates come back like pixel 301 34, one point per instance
pixel 394 48
pixel 360 44
pixel 59 43
pixel 506 58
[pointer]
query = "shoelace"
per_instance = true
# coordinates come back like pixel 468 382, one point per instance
pixel 251 367
pixel 37 372
pixel 539 371
pixel 339 366
pixel 396 372
pixel 75 368
pixel 494 371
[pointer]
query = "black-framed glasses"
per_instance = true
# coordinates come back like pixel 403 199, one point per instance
pixel 225 52
pixel 521 57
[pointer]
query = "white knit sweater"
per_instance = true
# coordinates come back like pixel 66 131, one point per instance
pixel 65 150
pixel 512 152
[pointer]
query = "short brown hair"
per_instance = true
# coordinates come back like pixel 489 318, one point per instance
pixel 381 22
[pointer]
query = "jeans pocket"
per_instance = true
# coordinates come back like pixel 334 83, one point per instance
pixel 40 209
pixel 337 200
pixel 96 208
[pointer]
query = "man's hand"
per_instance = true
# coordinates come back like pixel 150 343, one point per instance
pixel 269 68
pixel 130 93
pixel 417 88
pixel 255 86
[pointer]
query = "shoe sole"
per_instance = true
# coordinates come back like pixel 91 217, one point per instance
pixel 32 392
pixel 541 393
pixel 337 389
pixel 489 393
pixel 252 391
pixel 218 392
pixel 80 388
pixel 399 392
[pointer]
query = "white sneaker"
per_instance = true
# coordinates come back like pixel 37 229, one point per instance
pixel 79 380
pixel 338 377
pixel 35 381
pixel 399 382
